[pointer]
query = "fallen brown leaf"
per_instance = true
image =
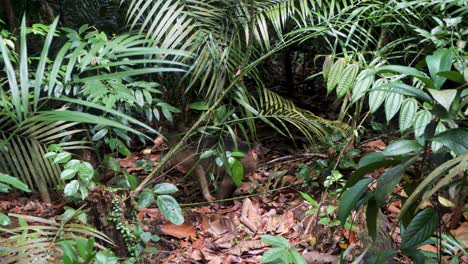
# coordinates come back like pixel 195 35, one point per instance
pixel 179 231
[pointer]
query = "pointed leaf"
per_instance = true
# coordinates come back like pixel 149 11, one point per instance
pixel 351 197
pixel 422 119
pixel 402 147
pixel 444 97
pixel 362 85
pixel 420 229
pixel 165 188
pixel 347 79
pixel 170 208
pixel 440 61
pixel 408 113
pixel 393 102
pixel 376 96
pixel 336 72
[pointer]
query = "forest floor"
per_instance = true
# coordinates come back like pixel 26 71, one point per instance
pixel 276 200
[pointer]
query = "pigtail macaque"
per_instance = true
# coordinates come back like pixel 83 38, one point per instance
pixel 188 160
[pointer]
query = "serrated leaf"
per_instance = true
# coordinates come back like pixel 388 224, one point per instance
pixel 408 113
pixel 165 188
pixel 277 241
pixel 68 174
pixel 351 197
pixel 444 97
pixel 393 103
pixel 71 188
pixel 402 147
pixel 376 95
pixel 419 229
pixel 327 64
pixel 170 208
pixel 274 254
pixel 347 79
pixel 422 119
pixel 362 85
pixel 335 74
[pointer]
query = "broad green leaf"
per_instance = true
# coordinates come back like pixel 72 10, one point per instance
pixel 72 164
pixel 86 171
pixel 347 79
pixel 170 209
pixel 359 173
pixel 165 188
pixel 276 241
pixel 455 139
pixel 335 74
pixel 402 147
pixel 237 171
pixel 407 90
pixel 420 229
pixel 274 254
pixel 440 61
pixel 408 113
pixel 16 183
pixel 113 164
pixel 82 247
pixel 376 95
pixel 362 85
pixel 62 158
pixel 309 199
pixel 71 188
pixel 439 129
pixel 145 236
pixel 453 76
pixel 351 197
pixel 67 215
pixel 393 102
pixel 68 174
pixel 145 198
pixel 140 100
pixel 371 218
pixel 327 64
pixel 444 97
pixel 387 182
pixel 371 158
pixel 4 219
pixel 422 119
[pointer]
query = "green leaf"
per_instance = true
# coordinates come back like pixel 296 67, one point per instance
pixel 309 199
pixel 335 74
pixel 407 90
pixel 422 119
pixel 405 70
pixel 358 174
pixel 440 61
pixel 376 95
pixel 145 236
pixel 453 76
pixel 408 113
pixel 444 97
pixel 62 158
pixel 170 208
pixel 200 106
pixel 296 257
pixel 113 164
pixel 16 183
pixel 71 188
pixel 68 174
pixel 4 219
pixel 67 215
pixel 86 171
pixel 387 182
pixel 165 188
pixel 140 100
pixel 327 64
pixel 393 102
pixel 347 79
pixel 277 241
pixel 382 256
pixel 439 129
pixel 237 171
pixel 371 158
pixel 273 255
pixel 100 134
pixel 402 147
pixel 362 85
pixel 419 229
pixel 371 218
pixel 145 198
pixel 72 164
pixel 454 139
pixel 207 153
pixel 351 197
pixel 82 247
